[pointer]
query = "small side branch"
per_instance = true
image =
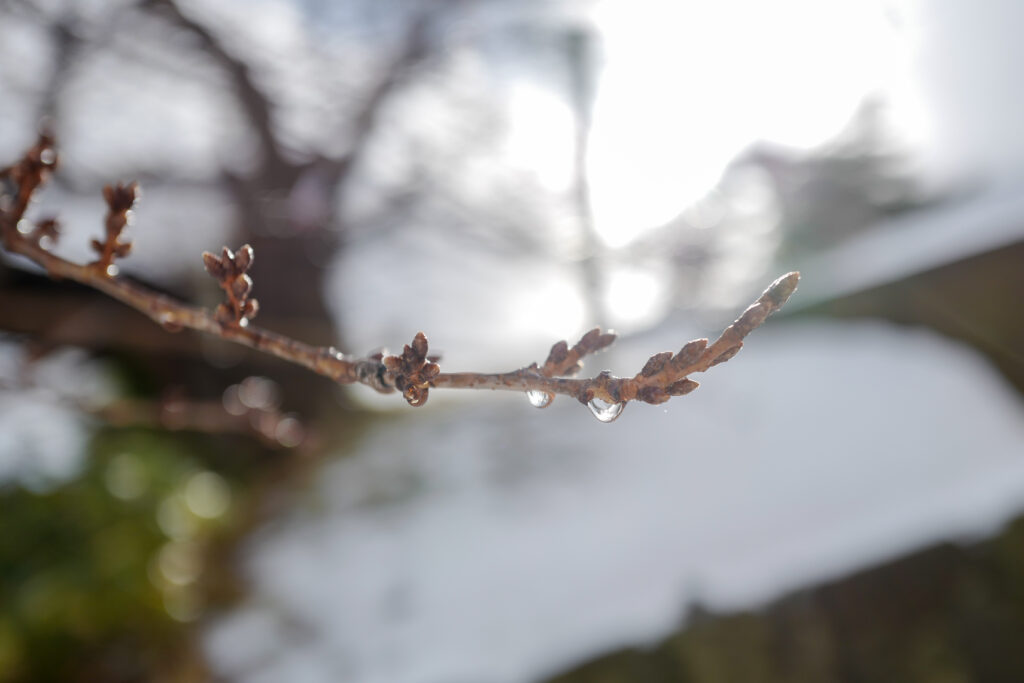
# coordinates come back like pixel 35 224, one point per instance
pixel 664 375
pixel 413 373
pixel 120 199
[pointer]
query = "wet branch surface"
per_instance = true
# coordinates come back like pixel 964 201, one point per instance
pixel 412 373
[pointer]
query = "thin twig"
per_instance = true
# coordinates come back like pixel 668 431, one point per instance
pixel 412 373
pixel 176 413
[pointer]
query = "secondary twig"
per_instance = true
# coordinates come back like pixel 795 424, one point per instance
pixel 412 373
pixel 231 415
pixel 120 199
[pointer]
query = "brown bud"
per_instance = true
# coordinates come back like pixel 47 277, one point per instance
pixel 752 317
pixel 656 363
pixel 251 308
pixel 243 259
pixel 213 265
pixel 419 346
pixel 779 291
pixel 241 286
pixel 559 352
pixel 120 197
pixel 430 371
pixel 727 354
pixel 689 354
pixel 683 387
pixel 590 339
pixel 653 395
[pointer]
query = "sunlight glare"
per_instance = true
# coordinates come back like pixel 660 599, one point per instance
pixel 636 297
pixel 688 85
pixel 541 135
pixel 550 308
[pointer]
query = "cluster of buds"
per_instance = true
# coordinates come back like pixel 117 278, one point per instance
pixel 229 269
pixel 33 169
pixel 120 199
pixel 412 372
pixel 19 181
pixel 664 374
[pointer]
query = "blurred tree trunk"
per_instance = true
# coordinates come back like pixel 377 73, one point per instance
pixel 296 237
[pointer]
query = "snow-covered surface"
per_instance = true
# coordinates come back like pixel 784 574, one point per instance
pixel 43 430
pixel 927 239
pixel 498 543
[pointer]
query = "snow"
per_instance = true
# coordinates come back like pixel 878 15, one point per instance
pixel 989 219
pixel 496 543
pixel 43 431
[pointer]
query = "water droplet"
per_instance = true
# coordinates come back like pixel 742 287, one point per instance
pixel 48 156
pixel 604 411
pixel 539 399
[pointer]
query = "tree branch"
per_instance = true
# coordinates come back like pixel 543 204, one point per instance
pixel 413 373
pixel 255 105
pixel 176 413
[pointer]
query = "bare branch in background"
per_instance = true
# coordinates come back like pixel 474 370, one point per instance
pixel 254 102
pixel 248 409
pixel 412 373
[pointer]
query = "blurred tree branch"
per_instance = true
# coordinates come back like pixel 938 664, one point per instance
pixel 254 103
pixel 318 181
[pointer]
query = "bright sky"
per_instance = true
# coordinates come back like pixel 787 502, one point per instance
pixel 686 86
pixel 683 88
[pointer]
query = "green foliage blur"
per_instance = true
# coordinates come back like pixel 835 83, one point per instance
pixel 99 576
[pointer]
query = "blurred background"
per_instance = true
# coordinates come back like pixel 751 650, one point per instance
pixel 838 503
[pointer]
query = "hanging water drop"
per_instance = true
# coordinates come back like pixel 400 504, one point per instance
pixel 539 399
pixel 604 411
